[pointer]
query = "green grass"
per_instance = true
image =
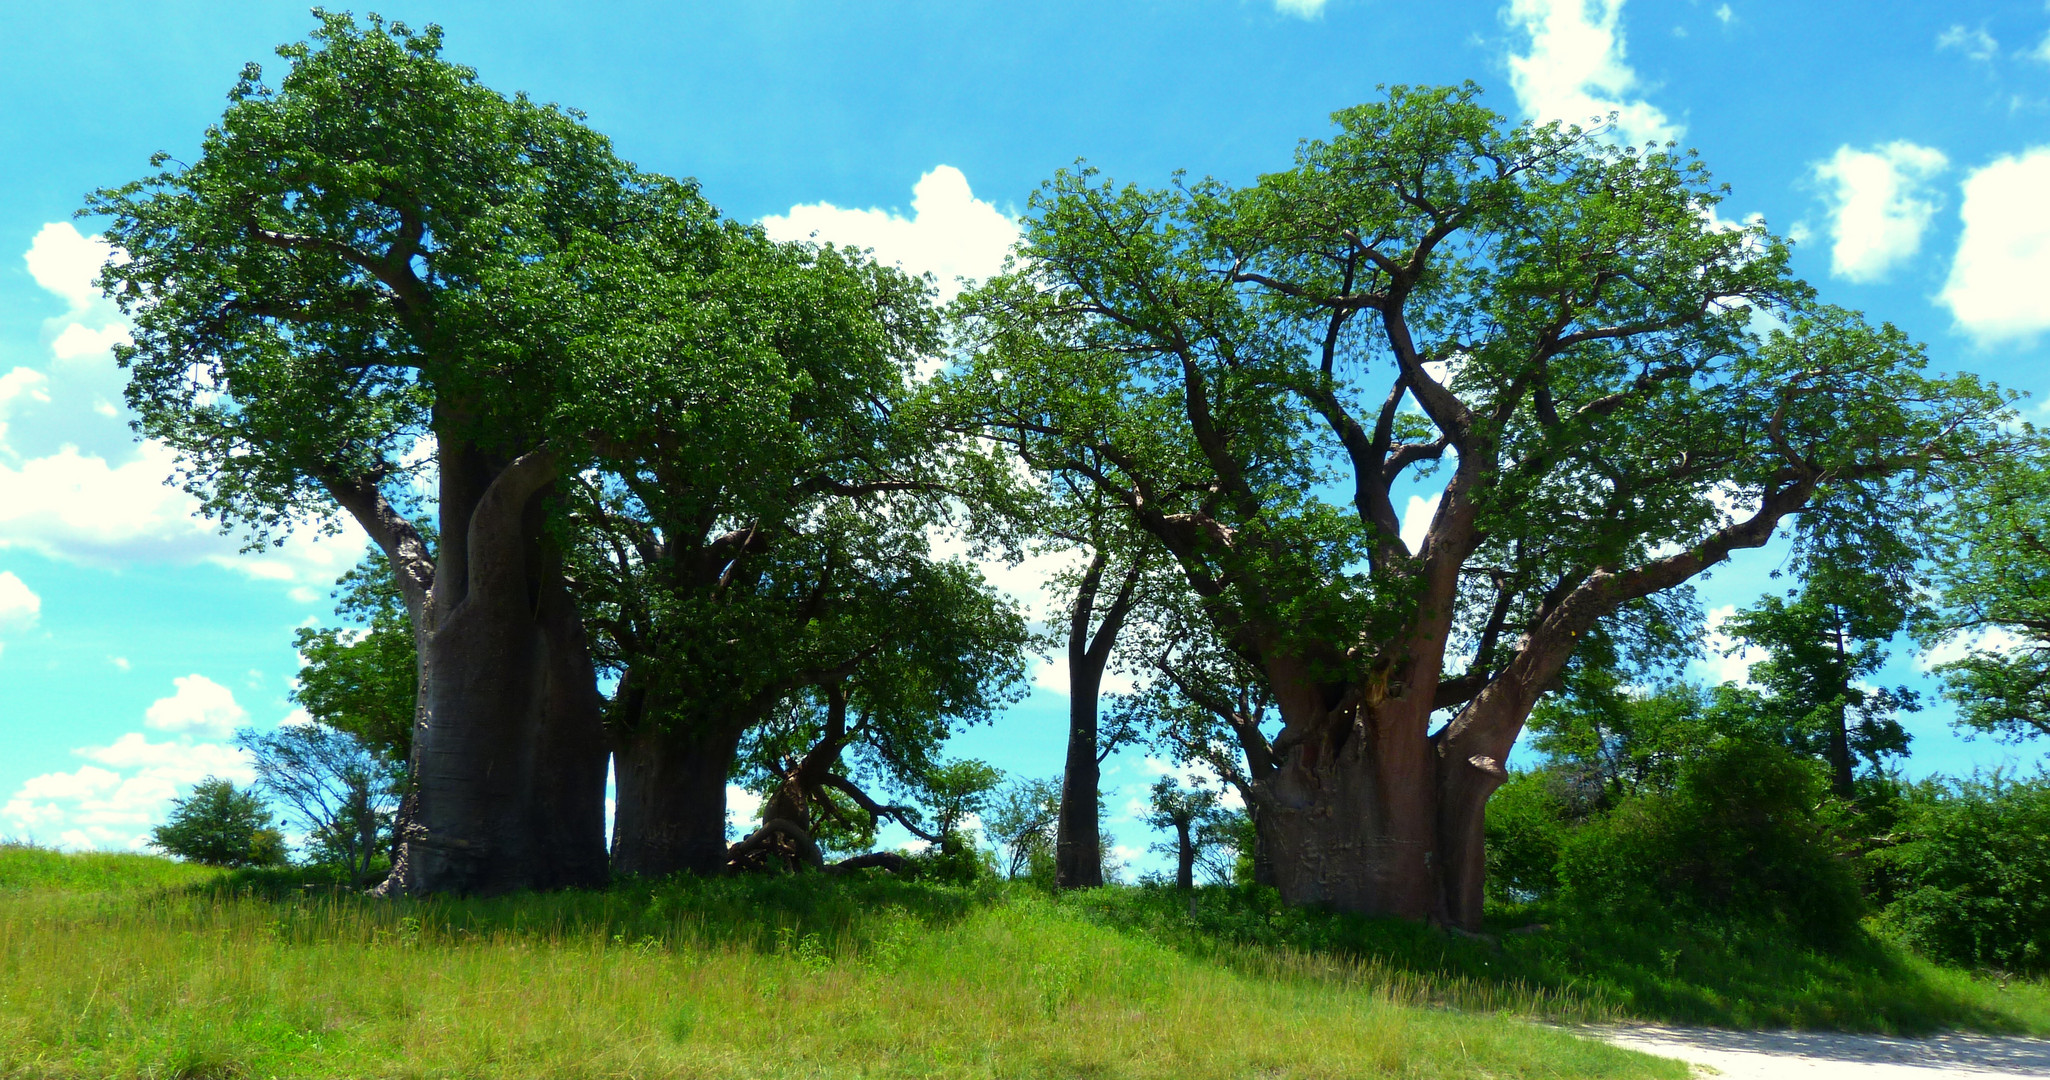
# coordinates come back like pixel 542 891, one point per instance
pixel 135 966
pixel 1722 977
pixel 25 868
pixel 251 975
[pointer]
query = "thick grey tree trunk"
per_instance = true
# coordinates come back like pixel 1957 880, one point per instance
pixel 509 748
pixel 671 815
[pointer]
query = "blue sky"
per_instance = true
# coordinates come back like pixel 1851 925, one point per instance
pixel 1906 146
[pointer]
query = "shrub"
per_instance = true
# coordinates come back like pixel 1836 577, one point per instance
pixel 1739 838
pixel 1969 871
pixel 219 825
pixel 1526 828
pixel 956 860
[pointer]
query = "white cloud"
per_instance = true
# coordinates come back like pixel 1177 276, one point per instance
pixel 2042 50
pixel 1880 206
pixel 120 662
pixel 949 234
pixel 1053 674
pixel 19 605
pixel 65 262
pixel 200 706
pixel 1724 15
pixel 1030 581
pixel 1996 287
pixel 77 342
pixel 1975 44
pixel 113 802
pixel 185 762
pixel 1735 667
pixel 1416 520
pixel 77 507
pixel 1575 70
pixel 24 384
pixel 74 506
pixel 20 386
pixel 741 805
pixel 1958 646
pixel 1301 9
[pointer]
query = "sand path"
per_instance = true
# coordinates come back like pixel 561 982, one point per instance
pixel 1828 1055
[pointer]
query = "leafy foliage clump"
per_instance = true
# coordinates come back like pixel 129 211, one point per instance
pixel 220 825
pixel 1740 838
pixel 1969 872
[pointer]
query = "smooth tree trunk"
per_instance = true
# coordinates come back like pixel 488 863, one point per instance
pixel 1078 843
pixel 509 749
pixel 1185 856
pixel 671 815
pixel 1078 831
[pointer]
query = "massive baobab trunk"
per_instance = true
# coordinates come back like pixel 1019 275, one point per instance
pixel 509 751
pixel 671 815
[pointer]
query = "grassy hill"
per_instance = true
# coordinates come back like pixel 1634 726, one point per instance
pixel 130 966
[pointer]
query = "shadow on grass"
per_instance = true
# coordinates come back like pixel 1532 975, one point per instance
pixel 766 913
pixel 1578 969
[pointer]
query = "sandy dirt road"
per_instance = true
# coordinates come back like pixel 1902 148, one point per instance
pixel 1828 1055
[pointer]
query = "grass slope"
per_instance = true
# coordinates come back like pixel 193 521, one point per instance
pixel 739 978
pixel 133 966
pixel 24 868
pixel 1722 978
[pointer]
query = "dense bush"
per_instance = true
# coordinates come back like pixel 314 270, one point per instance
pixel 1968 871
pixel 956 860
pixel 1527 826
pixel 1740 837
pixel 219 825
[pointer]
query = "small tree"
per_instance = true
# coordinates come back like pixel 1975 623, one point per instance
pixel 1193 815
pixel 1022 821
pixel 219 825
pixel 1821 644
pixel 957 790
pixel 364 679
pixel 336 788
pixel 1994 578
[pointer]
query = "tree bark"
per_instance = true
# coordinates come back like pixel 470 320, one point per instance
pixel 1078 838
pixel 1185 857
pixel 671 815
pixel 1350 823
pixel 508 762
pixel 1078 833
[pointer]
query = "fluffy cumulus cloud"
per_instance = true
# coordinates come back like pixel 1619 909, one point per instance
pixel 1574 69
pixel 1053 674
pixel 1724 660
pixel 19 605
pixel 112 505
pixel 1880 205
pixel 75 506
pixel 201 706
pixel 950 233
pixel 65 262
pixel 1416 519
pixel 1996 288
pixel 1301 9
pixel 1996 640
pixel 113 802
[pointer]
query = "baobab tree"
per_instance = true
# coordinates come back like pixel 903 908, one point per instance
pixel 1624 389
